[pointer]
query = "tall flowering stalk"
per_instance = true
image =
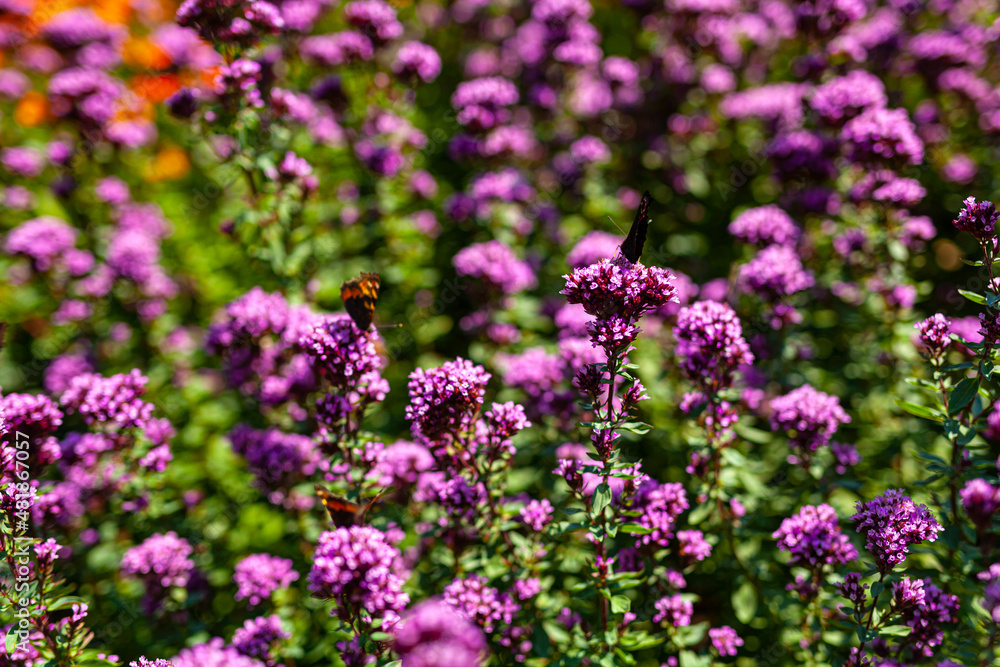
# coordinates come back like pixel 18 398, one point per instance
pixel 616 293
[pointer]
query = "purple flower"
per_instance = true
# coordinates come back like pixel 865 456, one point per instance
pixel 162 562
pixel 710 344
pixel 373 17
pixel 610 288
pixel 44 240
pixel 259 637
pixel 481 103
pixel 882 135
pixel 959 169
pixel 496 265
pixel 337 49
pixel 935 334
pixel 259 575
pixel 113 400
pixel 765 225
pixel 673 610
pixel 359 569
pixel 979 219
pixel 725 640
pixel 810 417
pixel 23 161
pixel 590 150
pixel 814 539
pixel 891 522
pixel 774 272
pixel 242 22
pixel 483 605
pixel 991 591
pixel 925 608
pixel 277 460
pixel 775 101
pixel 592 248
pixel 692 545
pixel 659 505
pixel 434 634
pixel 419 59
pixel 445 399
pixel 981 501
pixel 853 589
pixel 844 97
pixel 342 352
pixel 214 653
pixel 537 514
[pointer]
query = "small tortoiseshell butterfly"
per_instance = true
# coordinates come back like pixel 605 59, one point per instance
pixel 343 512
pixel 631 247
pixel 359 296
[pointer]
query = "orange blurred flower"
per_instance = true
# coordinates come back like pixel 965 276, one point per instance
pixel 142 52
pixel 31 110
pixel 155 88
pixel 169 164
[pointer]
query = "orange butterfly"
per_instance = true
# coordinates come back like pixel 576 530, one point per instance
pixel 343 512
pixel 359 296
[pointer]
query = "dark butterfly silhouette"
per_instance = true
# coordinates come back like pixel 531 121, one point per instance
pixel 359 296
pixel 342 511
pixel 632 245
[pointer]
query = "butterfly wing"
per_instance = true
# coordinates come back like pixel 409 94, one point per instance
pixel 632 246
pixel 342 512
pixel 359 296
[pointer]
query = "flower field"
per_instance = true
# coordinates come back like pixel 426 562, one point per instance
pixel 450 333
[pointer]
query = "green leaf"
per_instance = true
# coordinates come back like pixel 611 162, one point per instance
pixel 744 601
pixel 620 604
pixel 896 630
pixel 636 529
pixel 602 497
pixel 877 588
pixel 917 382
pixel 919 410
pixel 973 297
pixel 962 394
pixel 381 636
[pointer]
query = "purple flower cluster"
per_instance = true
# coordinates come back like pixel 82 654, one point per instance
pixel 880 136
pixel 978 219
pixel 482 103
pixel 891 522
pixel 496 265
pixel 537 514
pixel 434 634
pixel 710 344
pixel 259 575
pixel 213 653
pixel 813 538
pixel 775 272
pixel 611 288
pixel 765 225
pixel 259 637
pixel 725 640
pixel 810 418
pixel 49 243
pixel 659 505
pixel 114 400
pixel 344 355
pixel 445 400
pixel 840 99
pixel 981 501
pixel 359 569
pixel 483 605
pixel 924 608
pixel 592 248
pixel 242 22
pixel 161 562
pixel 258 338
pixel 935 334
pixel 673 610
